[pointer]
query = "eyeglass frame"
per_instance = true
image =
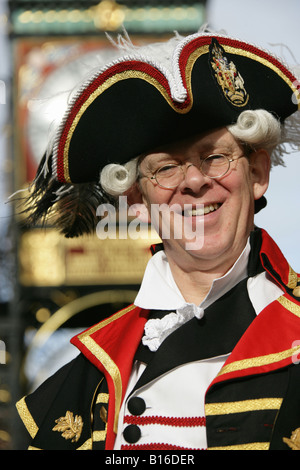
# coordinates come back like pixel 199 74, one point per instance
pixel 180 165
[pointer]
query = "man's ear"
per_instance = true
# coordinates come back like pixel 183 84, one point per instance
pixel 260 165
pixel 137 208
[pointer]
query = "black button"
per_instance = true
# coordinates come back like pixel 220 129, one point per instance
pixel 132 433
pixel 136 406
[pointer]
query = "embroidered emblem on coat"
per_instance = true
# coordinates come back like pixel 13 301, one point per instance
pixel 227 76
pixel 294 441
pixel 69 426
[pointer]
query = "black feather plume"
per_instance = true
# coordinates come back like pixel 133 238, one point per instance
pixel 71 208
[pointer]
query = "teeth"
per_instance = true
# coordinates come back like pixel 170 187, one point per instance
pixel 203 210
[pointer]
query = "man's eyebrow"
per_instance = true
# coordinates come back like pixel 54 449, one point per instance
pixel 213 147
pixel 159 159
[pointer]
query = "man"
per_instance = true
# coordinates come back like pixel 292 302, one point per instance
pixel 206 358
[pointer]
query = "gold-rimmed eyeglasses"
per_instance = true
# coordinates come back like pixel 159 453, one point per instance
pixel 170 176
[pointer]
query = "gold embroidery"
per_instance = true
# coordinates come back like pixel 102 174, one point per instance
pixel 87 445
pixel 27 419
pixel 227 76
pixel 289 305
pixel 99 436
pixel 69 426
pixel 294 441
pixel 242 406
pixel 258 361
pixel 249 446
pixel 102 398
pixel 266 63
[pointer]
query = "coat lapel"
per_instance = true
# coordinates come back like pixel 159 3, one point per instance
pixel 104 345
pixel 269 343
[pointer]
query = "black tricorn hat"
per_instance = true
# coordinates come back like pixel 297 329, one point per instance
pixel 134 106
pixel 137 104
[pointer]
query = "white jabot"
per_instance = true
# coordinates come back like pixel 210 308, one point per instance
pixel 156 330
pixel 160 292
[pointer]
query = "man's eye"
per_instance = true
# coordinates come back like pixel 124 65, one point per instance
pixel 167 169
pixel 216 159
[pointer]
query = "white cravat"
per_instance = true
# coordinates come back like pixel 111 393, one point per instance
pixel 159 291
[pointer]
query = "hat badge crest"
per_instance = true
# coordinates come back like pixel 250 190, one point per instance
pixel 227 76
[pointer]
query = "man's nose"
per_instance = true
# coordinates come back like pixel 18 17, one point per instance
pixel 194 179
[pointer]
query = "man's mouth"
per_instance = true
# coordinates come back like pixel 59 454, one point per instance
pixel 201 209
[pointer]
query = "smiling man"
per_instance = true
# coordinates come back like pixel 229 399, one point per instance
pixel 212 170
pixel 206 357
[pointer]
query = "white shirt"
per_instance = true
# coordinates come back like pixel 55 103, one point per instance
pixel 170 420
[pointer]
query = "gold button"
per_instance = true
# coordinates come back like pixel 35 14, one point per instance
pixel 296 291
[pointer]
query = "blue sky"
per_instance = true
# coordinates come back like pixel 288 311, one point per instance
pixel 272 25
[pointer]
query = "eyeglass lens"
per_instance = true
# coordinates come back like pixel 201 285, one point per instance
pixel 214 166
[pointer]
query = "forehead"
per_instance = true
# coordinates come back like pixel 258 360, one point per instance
pixel 216 140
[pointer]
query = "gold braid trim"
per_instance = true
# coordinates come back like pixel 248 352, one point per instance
pixel 259 361
pixel 112 369
pixel 242 406
pixel 87 445
pixel 249 446
pixel 26 417
pixel 98 436
pixel 289 305
pixel 102 398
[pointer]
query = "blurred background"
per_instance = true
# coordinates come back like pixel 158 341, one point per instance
pixel 51 287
